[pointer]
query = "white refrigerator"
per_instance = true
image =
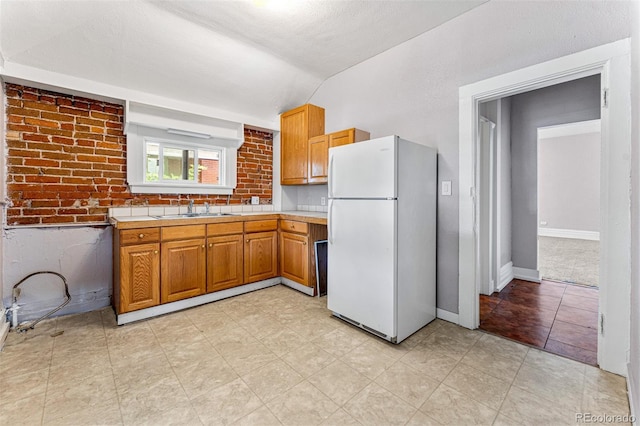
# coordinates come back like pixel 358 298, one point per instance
pixel 382 236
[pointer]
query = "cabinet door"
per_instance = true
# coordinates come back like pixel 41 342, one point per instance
pixel 183 269
pixel 318 159
pixel 224 262
pixel 139 277
pixel 294 257
pixel 341 138
pixel 294 138
pixel 260 256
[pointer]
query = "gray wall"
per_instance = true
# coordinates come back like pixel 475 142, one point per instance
pixel 577 100
pixel 569 182
pixel 412 89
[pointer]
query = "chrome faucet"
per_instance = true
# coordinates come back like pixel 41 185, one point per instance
pixel 206 207
pixel 190 207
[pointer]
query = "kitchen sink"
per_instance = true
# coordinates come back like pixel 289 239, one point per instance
pixel 188 215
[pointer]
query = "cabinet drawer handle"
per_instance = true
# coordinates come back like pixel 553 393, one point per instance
pixel 141 236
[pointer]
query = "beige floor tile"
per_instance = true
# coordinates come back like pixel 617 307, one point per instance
pixel 419 336
pixel 502 347
pixel 226 404
pixel 302 405
pixel 103 412
pixel 230 339
pixel 71 397
pixel 408 384
pixel 272 380
pixel 159 395
pixel 368 360
pixel 308 359
pixel 249 357
pixel 339 381
pixel 434 364
pixel 392 350
pixel 191 353
pixel 260 324
pixel 441 342
pixel 527 408
pixel 375 405
pixel 495 365
pixel 214 322
pixel 340 418
pixel 15 387
pixel 553 363
pixel 450 407
pixel 477 385
pixel 25 411
pixel 204 375
pixel 80 353
pixel 283 341
pixel 131 378
pixel 16 362
pixel 463 335
pixel 421 419
pixel 565 389
pixel 314 328
pixel 179 415
pixel 602 381
pixel 261 417
pixel 338 342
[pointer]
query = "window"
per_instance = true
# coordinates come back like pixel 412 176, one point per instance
pixel 164 162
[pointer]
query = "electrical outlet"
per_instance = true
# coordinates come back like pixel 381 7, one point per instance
pixel 255 200
pixel 323 201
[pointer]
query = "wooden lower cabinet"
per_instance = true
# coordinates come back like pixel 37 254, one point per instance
pixel 139 267
pixel 184 269
pixel 294 257
pixel 260 256
pixel 225 262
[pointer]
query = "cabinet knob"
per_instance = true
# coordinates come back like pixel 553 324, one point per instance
pixel 247 240
pixel 210 244
pixel 155 252
pixel 203 246
pixel 304 243
pixel 141 236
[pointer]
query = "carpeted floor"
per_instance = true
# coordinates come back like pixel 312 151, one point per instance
pixel 569 260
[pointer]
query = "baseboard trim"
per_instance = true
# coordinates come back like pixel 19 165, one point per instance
pixel 447 316
pixel 4 327
pixel 506 276
pixel 301 288
pixel 526 274
pixel 194 301
pixel 633 393
pixel 569 233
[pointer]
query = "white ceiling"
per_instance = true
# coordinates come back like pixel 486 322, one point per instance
pixel 255 57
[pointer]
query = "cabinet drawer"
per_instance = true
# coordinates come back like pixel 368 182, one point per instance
pixel 183 232
pixel 294 226
pixel 139 236
pixel 261 225
pixel 224 228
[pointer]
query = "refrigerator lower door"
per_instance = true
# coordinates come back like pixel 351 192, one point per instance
pixel 361 278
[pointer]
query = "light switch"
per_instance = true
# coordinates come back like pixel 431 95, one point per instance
pixel 446 187
pixel 255 200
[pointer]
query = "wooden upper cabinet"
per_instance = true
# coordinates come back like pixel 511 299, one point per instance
pixel 347 136
pixel 319 151
pixel 296 127
pixel 318 159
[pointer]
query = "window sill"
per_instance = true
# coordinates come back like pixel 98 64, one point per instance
pixel 164 188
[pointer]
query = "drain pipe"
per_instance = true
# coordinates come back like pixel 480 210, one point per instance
pixel 16 293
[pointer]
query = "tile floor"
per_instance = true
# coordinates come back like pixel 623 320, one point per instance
pixel 275 357
pixel 561 318
pixel 570 260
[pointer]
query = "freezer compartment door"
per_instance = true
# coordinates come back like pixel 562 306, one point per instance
pixel 364 169
pixel 361 278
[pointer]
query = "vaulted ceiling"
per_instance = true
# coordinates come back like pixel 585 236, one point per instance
pixel 257 57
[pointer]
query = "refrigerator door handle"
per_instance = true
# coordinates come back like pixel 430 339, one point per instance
pixel 330 221
pixel 331 179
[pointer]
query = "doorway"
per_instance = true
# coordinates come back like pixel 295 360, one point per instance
pixel 611 61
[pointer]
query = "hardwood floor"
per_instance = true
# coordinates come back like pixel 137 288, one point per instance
pixel 557 317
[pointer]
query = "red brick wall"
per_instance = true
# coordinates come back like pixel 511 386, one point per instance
pixel 66 161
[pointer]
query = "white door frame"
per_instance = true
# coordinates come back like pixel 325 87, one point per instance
pixel 612 61
pixel 488 280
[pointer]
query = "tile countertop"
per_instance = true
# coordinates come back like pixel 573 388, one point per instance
pixel 130 222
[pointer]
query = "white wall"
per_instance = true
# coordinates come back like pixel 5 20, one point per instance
pixel 82 254
pixel 569 182
pixel 634 355
pixel 412 89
